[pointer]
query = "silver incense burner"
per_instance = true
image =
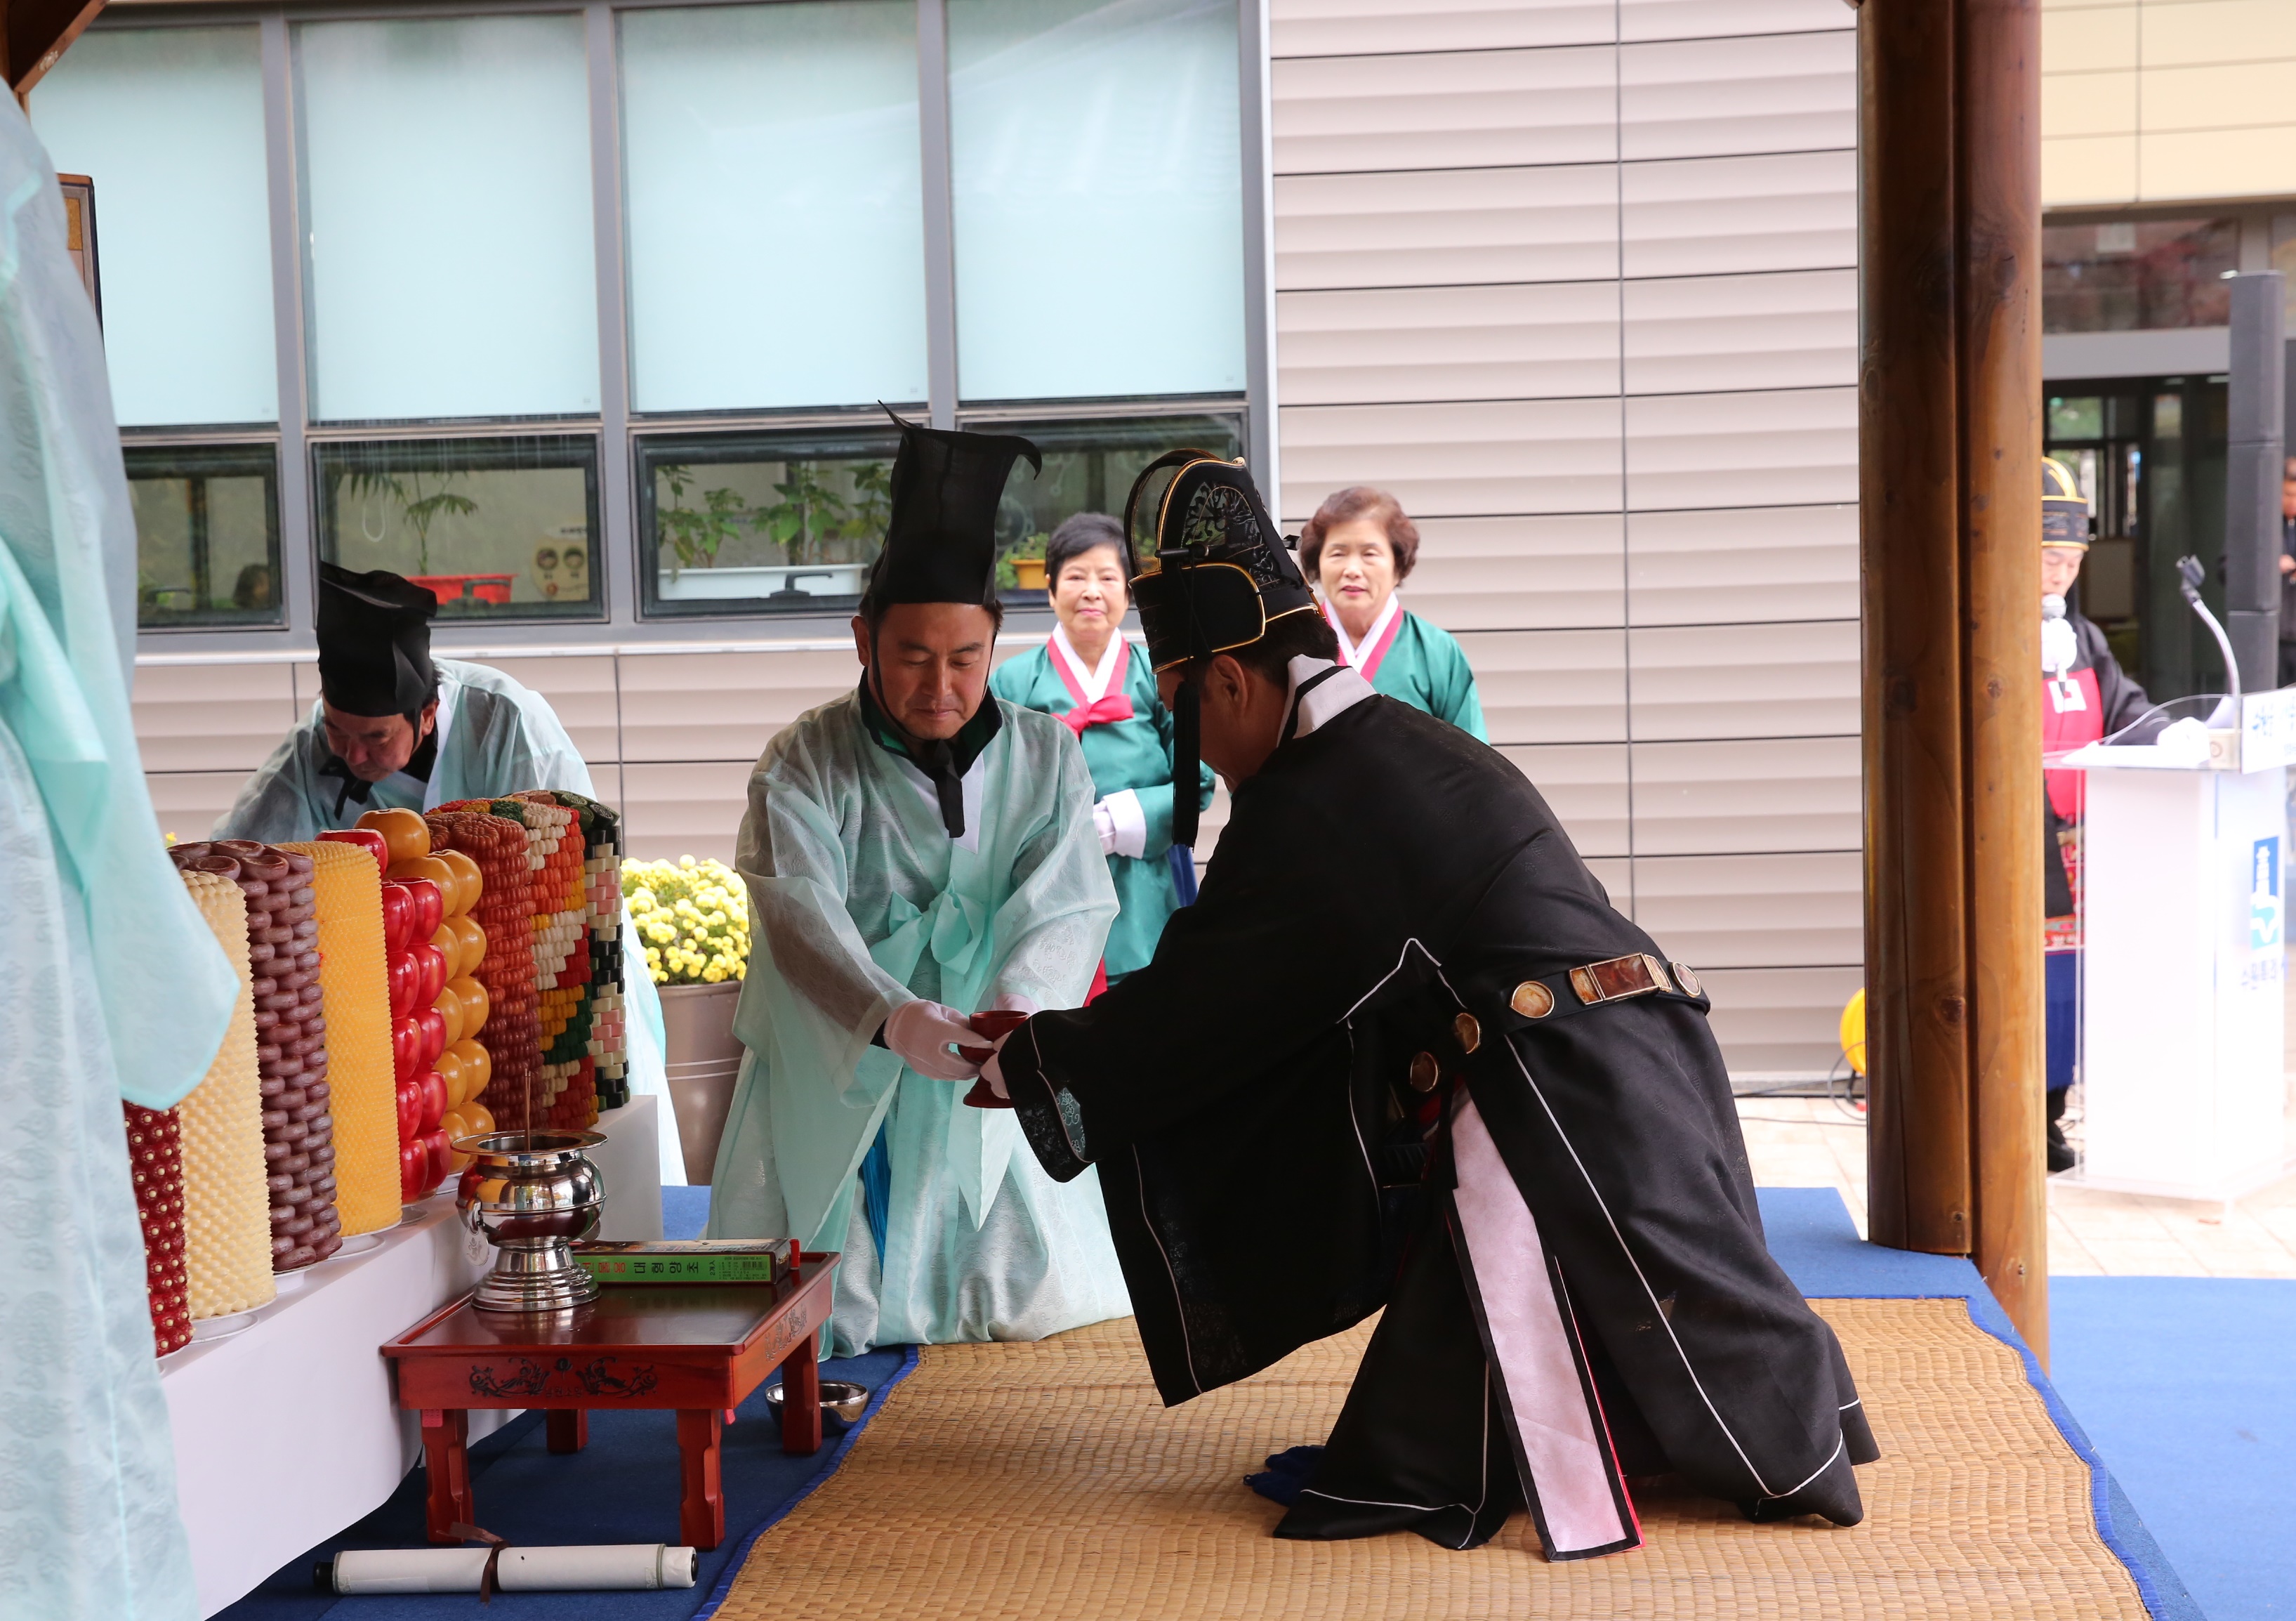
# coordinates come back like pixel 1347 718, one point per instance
pixel 532 1195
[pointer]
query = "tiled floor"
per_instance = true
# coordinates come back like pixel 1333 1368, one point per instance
pixel 1815 1142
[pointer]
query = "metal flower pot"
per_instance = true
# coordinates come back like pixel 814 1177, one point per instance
pixel 703 1061
pixel 532 1195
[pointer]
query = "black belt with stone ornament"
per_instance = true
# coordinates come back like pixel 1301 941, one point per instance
pixel 1548 998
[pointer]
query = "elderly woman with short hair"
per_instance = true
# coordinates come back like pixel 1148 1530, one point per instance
pixel 1359 548
pixel 1089 676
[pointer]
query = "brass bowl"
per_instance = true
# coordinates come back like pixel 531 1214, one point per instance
pixel 840 1399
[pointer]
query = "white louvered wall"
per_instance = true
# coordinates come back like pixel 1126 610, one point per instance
pixel 1577 283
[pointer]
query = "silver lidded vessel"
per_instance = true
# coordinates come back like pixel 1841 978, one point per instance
pixel 532 1195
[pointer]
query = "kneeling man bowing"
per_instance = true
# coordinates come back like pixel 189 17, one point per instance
pixel 1460 1087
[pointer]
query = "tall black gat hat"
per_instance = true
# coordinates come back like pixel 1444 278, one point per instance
pixel 374 642
pixel 940 540
pixel 1217 574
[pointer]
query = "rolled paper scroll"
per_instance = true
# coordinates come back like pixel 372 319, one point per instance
pixel 226 1218
pixel 348 888
pixel 155 1157
pixel 605 1567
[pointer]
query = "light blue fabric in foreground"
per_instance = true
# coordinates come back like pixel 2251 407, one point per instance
pixel 497 738
pixel 861 902
pixel 88 1479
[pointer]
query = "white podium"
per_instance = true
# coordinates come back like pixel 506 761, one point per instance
pixel 2184 946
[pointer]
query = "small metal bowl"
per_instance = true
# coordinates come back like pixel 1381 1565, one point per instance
pixel 840 1399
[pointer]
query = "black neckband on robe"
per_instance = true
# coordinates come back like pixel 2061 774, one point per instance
pixel 418 766
pixel 944 761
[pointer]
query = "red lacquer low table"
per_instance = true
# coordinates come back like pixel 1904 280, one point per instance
pixel 698 1349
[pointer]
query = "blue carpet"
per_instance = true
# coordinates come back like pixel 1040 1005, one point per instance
pixel 623 1487
pixel 1811 1233
pixel 2186 1384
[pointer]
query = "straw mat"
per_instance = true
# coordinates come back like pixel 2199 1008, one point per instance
pixel 1042 1480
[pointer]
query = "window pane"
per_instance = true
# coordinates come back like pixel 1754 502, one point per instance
pixel 446 181
pixel 1097 177
pixel 747 523
pixel 496 528
pixel 776 237
pixel 207 535
pixel 1089 466
pixel 169 123
pixel 2130 276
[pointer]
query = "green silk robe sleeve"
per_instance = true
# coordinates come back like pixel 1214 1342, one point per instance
pixel 1427 669
pixel 1135 754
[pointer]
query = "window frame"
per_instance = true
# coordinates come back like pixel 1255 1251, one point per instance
pixel 617 560
pixel 496 453
pixel 221 457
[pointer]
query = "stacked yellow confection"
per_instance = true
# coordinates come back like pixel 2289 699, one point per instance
pixel 227 1208
pixel 360 1069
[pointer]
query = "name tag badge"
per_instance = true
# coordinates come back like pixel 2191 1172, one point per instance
pixel 2066 698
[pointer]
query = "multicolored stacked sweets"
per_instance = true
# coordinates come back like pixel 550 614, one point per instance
pixel 566 1091
pixel 605 1043
pixel 290 1029
pixel 504 913
pixel 155 1157
pixel 226 1218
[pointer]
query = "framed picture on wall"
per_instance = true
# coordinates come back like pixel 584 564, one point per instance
pixel 80 234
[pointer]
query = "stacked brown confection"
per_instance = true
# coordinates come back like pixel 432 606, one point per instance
pixel 155 1157
pixel 511 1035
pixel 290 1032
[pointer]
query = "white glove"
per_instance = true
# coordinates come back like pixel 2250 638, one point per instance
pixel 993 1072
pixel 1122 824
pixel 920 1033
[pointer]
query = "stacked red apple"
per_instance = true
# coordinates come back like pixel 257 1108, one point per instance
pixel 431 944
pixel 413 910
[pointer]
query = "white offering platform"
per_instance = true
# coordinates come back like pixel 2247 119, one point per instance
pixel 286 1432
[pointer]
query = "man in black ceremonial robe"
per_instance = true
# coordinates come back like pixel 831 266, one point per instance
pixel 1459 1086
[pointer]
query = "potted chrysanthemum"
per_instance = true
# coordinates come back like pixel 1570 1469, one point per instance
pixel 692 919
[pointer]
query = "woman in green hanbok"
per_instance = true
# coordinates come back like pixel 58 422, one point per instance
pixel 1359 548
pixel 1090 677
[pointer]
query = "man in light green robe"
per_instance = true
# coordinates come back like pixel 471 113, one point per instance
pixel 904 873
pixel 494 737
pixel 115 986
pixel 480 735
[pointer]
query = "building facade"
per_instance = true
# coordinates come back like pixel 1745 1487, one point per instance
pixel 582 314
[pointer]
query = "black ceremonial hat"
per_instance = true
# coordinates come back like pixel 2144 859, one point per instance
pixel 941 541
pixel 1219 571
pixel 374 642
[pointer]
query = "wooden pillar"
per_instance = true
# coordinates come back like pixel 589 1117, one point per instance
pixel 1949 444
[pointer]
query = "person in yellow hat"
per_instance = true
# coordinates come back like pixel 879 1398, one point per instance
pixel 2084 696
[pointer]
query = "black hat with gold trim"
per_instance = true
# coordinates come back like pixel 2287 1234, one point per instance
pixel 2064 510
pixel 1216 572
